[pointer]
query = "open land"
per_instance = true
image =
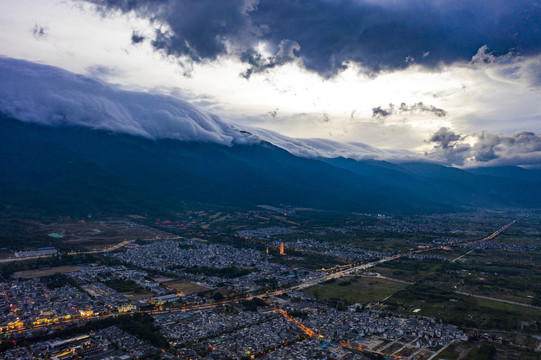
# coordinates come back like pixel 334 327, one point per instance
pixel 352 290
pixel 185 287
pixel 73 235
pixel 44 272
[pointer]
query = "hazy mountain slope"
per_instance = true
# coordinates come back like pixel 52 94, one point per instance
pixel 466 187
pixel 76 170
pixel 510 172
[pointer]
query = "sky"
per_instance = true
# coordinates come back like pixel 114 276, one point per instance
pixel 457 82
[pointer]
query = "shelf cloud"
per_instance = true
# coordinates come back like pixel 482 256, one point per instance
pixel 50 96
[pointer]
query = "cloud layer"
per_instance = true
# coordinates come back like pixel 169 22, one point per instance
pixel 315 148
pixel 51 96
pixel 326 35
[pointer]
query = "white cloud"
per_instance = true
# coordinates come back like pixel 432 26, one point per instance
pixel 485 149
pixel 314 148
pixel 51 96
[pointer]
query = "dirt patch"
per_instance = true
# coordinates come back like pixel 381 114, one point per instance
pixel 185 287
pixel 44 272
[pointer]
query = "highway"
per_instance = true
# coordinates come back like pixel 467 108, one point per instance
pixel 352 269
pixel 339 274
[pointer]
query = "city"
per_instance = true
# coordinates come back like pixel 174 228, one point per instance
pixel 264 292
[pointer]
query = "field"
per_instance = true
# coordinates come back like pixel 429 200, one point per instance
pixel 81 235
pixel 499 274
pixel 356 289
pixel 44 272
pixel 467 311
pixel 513 276
pixel 185 287
pixel 415 270
pixel 129 289
pixel 474 349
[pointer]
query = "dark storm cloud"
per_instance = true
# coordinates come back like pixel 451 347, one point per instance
pixel 326 35
pixel 274 113
pixel 287 50
pixel 444 138
pixel 199 29
pixel 420 107
pixel 326 117
pixel 381 113
pixel 137 38
pixel 523 148
pixel 39 32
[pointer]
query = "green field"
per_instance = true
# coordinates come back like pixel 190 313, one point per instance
pixel 416 270
pixel 128 288
pixel 450 254
pixel 498 274
pixel 356 289
pixel 513 276
pixel 468 311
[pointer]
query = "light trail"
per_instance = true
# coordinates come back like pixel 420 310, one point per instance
pixel 290 318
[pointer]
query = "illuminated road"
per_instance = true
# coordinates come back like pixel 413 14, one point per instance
pixel 311 333
pixel 353 269
pixel 494 234
pixel 490 237
pixel 8 260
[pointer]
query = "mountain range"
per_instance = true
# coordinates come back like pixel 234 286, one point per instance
pixel 76 170
pixel 74 145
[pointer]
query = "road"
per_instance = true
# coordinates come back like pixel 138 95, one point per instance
pixel 461 256
pixel 510 302
pixel 441 350
pixel 494 234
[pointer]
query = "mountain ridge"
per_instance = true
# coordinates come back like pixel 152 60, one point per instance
pixel 72 169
